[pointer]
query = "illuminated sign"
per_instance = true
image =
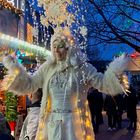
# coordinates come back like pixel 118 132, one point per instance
pixel 17 3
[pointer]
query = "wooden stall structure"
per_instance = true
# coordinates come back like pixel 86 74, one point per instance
pixel 134 64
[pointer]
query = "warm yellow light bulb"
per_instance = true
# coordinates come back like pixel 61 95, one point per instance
pixel 88 137
pixel 87 123
pixel 16 72
pixel 86 103
pixel 87 113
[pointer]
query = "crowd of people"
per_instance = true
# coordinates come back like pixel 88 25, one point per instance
pixel 114 106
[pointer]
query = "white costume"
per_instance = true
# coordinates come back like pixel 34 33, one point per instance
pixel 64 111
pixel 30 124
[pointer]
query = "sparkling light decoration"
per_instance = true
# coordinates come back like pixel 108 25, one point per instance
pixel 123 78
pixel 8 79
pixel 56 12
pixel 65 14
pixel 29 33
pixel 68 15
pixel 14 43
pixel 125 83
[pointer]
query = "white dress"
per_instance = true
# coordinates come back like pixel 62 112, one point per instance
pixel 63 107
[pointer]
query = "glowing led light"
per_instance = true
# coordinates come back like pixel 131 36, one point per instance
pixel 15 43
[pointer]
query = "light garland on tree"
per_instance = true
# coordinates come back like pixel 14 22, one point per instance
pixel 14 43
pixel 10 7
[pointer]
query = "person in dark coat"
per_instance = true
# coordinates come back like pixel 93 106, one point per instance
pixel 4 136
pixel 111 111
pixel 95 99
pixel 5 132
pixel 131 103
pixel 118 99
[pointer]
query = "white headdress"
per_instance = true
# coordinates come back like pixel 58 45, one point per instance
pixel 74 54
pixel 63 34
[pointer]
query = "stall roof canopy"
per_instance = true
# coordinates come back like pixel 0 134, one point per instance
pixel 134 64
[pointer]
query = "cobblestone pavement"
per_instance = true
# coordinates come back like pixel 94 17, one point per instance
pixel 122 134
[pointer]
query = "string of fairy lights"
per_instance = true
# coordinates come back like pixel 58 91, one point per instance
pixel 14 43
pixel 5 4
pixel 65 14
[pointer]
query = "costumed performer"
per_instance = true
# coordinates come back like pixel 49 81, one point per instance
pixel 65 80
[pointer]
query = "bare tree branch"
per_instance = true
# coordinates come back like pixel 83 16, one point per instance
pixel 116 32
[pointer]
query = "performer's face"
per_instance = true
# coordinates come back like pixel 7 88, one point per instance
pixel 59 49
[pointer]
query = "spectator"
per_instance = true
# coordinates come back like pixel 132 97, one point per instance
pixel 119 108
pixel 95 100
pixel 5 132
pixel 131 103
pixel 30 124
pixel 6 137
pixel 110 108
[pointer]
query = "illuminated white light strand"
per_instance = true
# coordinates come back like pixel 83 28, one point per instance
pixel 15 43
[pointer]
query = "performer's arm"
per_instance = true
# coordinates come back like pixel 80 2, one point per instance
pixel 108 82
pixel 18 80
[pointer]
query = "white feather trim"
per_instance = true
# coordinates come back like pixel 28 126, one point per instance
pixel 10 63
pixel 112 84
pixel 16 74
pixel 119 65
pixel 114 70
